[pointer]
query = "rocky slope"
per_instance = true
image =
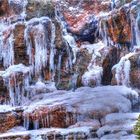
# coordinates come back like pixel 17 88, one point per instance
pixel 69 69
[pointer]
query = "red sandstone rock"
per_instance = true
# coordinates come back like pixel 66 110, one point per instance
pixel 9 119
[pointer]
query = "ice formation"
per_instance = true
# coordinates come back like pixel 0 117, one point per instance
pixel 92 99
pixel 123 70
pixel 94 73
pixel 16 89
pixel 88 112
pixel 41 44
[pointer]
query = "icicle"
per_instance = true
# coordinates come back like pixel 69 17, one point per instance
pixel 59 67
pixel 74 81
pixel 135 37
pixel 40 49
pixel 123 70
pixel 54 136
pixel 11 93
pixel 69 58
pixel 36 124
pixel 52 49
pixel 41 45
pixel 71 42
pixel 68 38
pixel 26 122
pixel 48 121
pixel 16 88
pixel 6 47
pixel 104 33
pixel 63 137
pixel 67 119
pixel 137 30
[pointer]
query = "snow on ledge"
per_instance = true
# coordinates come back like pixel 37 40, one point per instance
pixel 100 100
pixel 7 108
pixel 46 131
pixel 14 69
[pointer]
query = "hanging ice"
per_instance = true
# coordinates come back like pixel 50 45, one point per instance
pixel 37 39
pixel 6 46
pixel 16 87
pixel 52 51
pixel 123 70
pixel 137 29
pixel 68 38
pixel 71 42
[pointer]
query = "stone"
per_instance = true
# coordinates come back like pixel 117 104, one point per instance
pixel 9 118
pixel 62 109
pixel 41 8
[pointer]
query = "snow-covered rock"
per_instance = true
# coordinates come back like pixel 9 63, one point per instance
pixel 71 107
pixel 117 125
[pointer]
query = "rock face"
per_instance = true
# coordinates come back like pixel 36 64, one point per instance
pixel 50 46
pixel 9 118
pixel 134 74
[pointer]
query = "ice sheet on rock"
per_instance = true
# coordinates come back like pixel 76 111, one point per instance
pixel 41 87
pixel 52 51
pixel 119 136
pixel 123 70
pixel 110 129
pixel 129 137
pixel 6 108
pixel 94 48
pixel 94 72
pixel 16 129
pixel 121 117
pixel 93 76
pixel 97 101
pixel 49 131
pixel 118 122
pixel 128 92
pixel 95 124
